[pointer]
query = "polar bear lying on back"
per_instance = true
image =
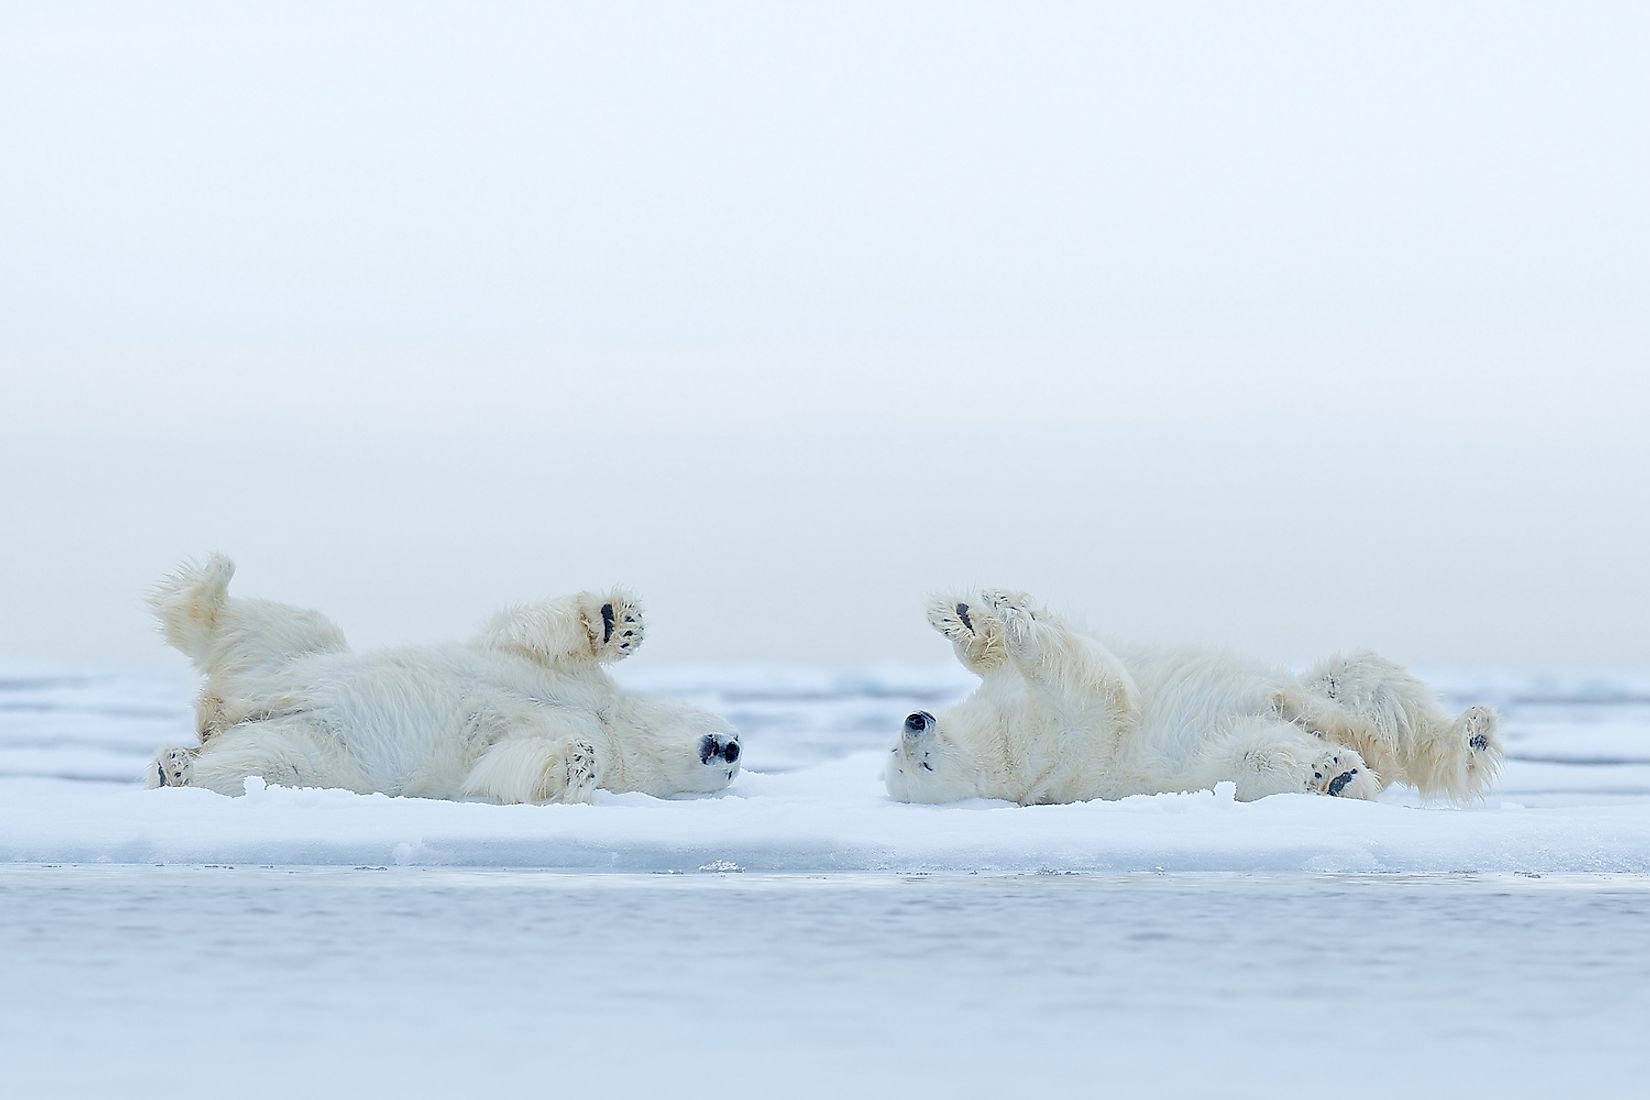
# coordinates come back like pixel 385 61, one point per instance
pixel 524 713
pixel 1058 717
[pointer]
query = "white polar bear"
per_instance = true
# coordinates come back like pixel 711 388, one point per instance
pixel 524 713
pixel 1058 717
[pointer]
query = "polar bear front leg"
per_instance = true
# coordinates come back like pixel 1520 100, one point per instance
pixel 1067 669
pixel 287 752
pixel 588 626
pixel 536 770
pixel 976 635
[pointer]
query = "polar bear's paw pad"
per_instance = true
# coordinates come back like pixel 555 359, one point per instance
pixel 581 770
pixel 969 624
pixel 173 768
pixel 956 619
pixel 1479 725
pixel 615 626
pixel 1343 775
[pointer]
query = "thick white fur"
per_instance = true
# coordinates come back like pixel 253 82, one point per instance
pixel 1060 717
pixel 524 713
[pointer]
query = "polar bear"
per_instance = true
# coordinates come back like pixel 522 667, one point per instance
pixel 524 713
pixel 1059 717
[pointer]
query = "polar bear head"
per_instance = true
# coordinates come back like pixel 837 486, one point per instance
pixel 935 759
pixel 665 747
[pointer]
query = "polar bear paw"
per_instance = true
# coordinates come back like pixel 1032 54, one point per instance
pixel 976 632
pixel 569 773
pixel 1478 725
pixel 172 768
pixel 614 622
pixel 1013 610
pixel 1461 760
pixel 1342 773
pixel 957 619
pixel 581 771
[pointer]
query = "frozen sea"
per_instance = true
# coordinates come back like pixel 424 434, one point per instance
pixel 799 935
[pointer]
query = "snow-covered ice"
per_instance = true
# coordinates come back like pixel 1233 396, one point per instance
pixel 799 935
pixel 1575 796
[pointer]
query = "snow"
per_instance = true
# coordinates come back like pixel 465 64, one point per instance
pixel 1574 798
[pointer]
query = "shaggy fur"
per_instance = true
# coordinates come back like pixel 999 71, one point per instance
pixel 1059 717
pixel 524 713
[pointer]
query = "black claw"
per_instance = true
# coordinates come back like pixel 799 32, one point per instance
pixel 607 622
pixel 962 613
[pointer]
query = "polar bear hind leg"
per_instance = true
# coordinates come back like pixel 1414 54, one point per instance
pixel 535 769
pixel 283 752
pixel 1439 755
pixel 1266 756
pixel 590 626
pixel 233 640
pixel 222 635
pixel 172 767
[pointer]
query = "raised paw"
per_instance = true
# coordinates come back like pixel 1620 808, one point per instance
pixel 1475 756
pixel 1013 610
pixel 1478 725
pixel 957 618
pixel 972 627
pixel 614 622
pixel 1343 774
pixel 172 768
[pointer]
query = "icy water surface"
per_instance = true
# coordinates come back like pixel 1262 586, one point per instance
pixel 143 981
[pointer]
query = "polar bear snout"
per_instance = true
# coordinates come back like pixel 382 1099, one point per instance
pixel 716 749
pixel 918 723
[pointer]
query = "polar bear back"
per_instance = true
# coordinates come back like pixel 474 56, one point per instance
pixel 1187 693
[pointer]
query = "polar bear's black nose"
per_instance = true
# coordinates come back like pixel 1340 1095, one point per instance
pixel 714 750
pixel 919 722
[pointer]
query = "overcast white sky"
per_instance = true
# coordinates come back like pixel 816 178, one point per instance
pixel 1287 327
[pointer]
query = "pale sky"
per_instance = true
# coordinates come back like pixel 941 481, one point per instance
pixel 1285 327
